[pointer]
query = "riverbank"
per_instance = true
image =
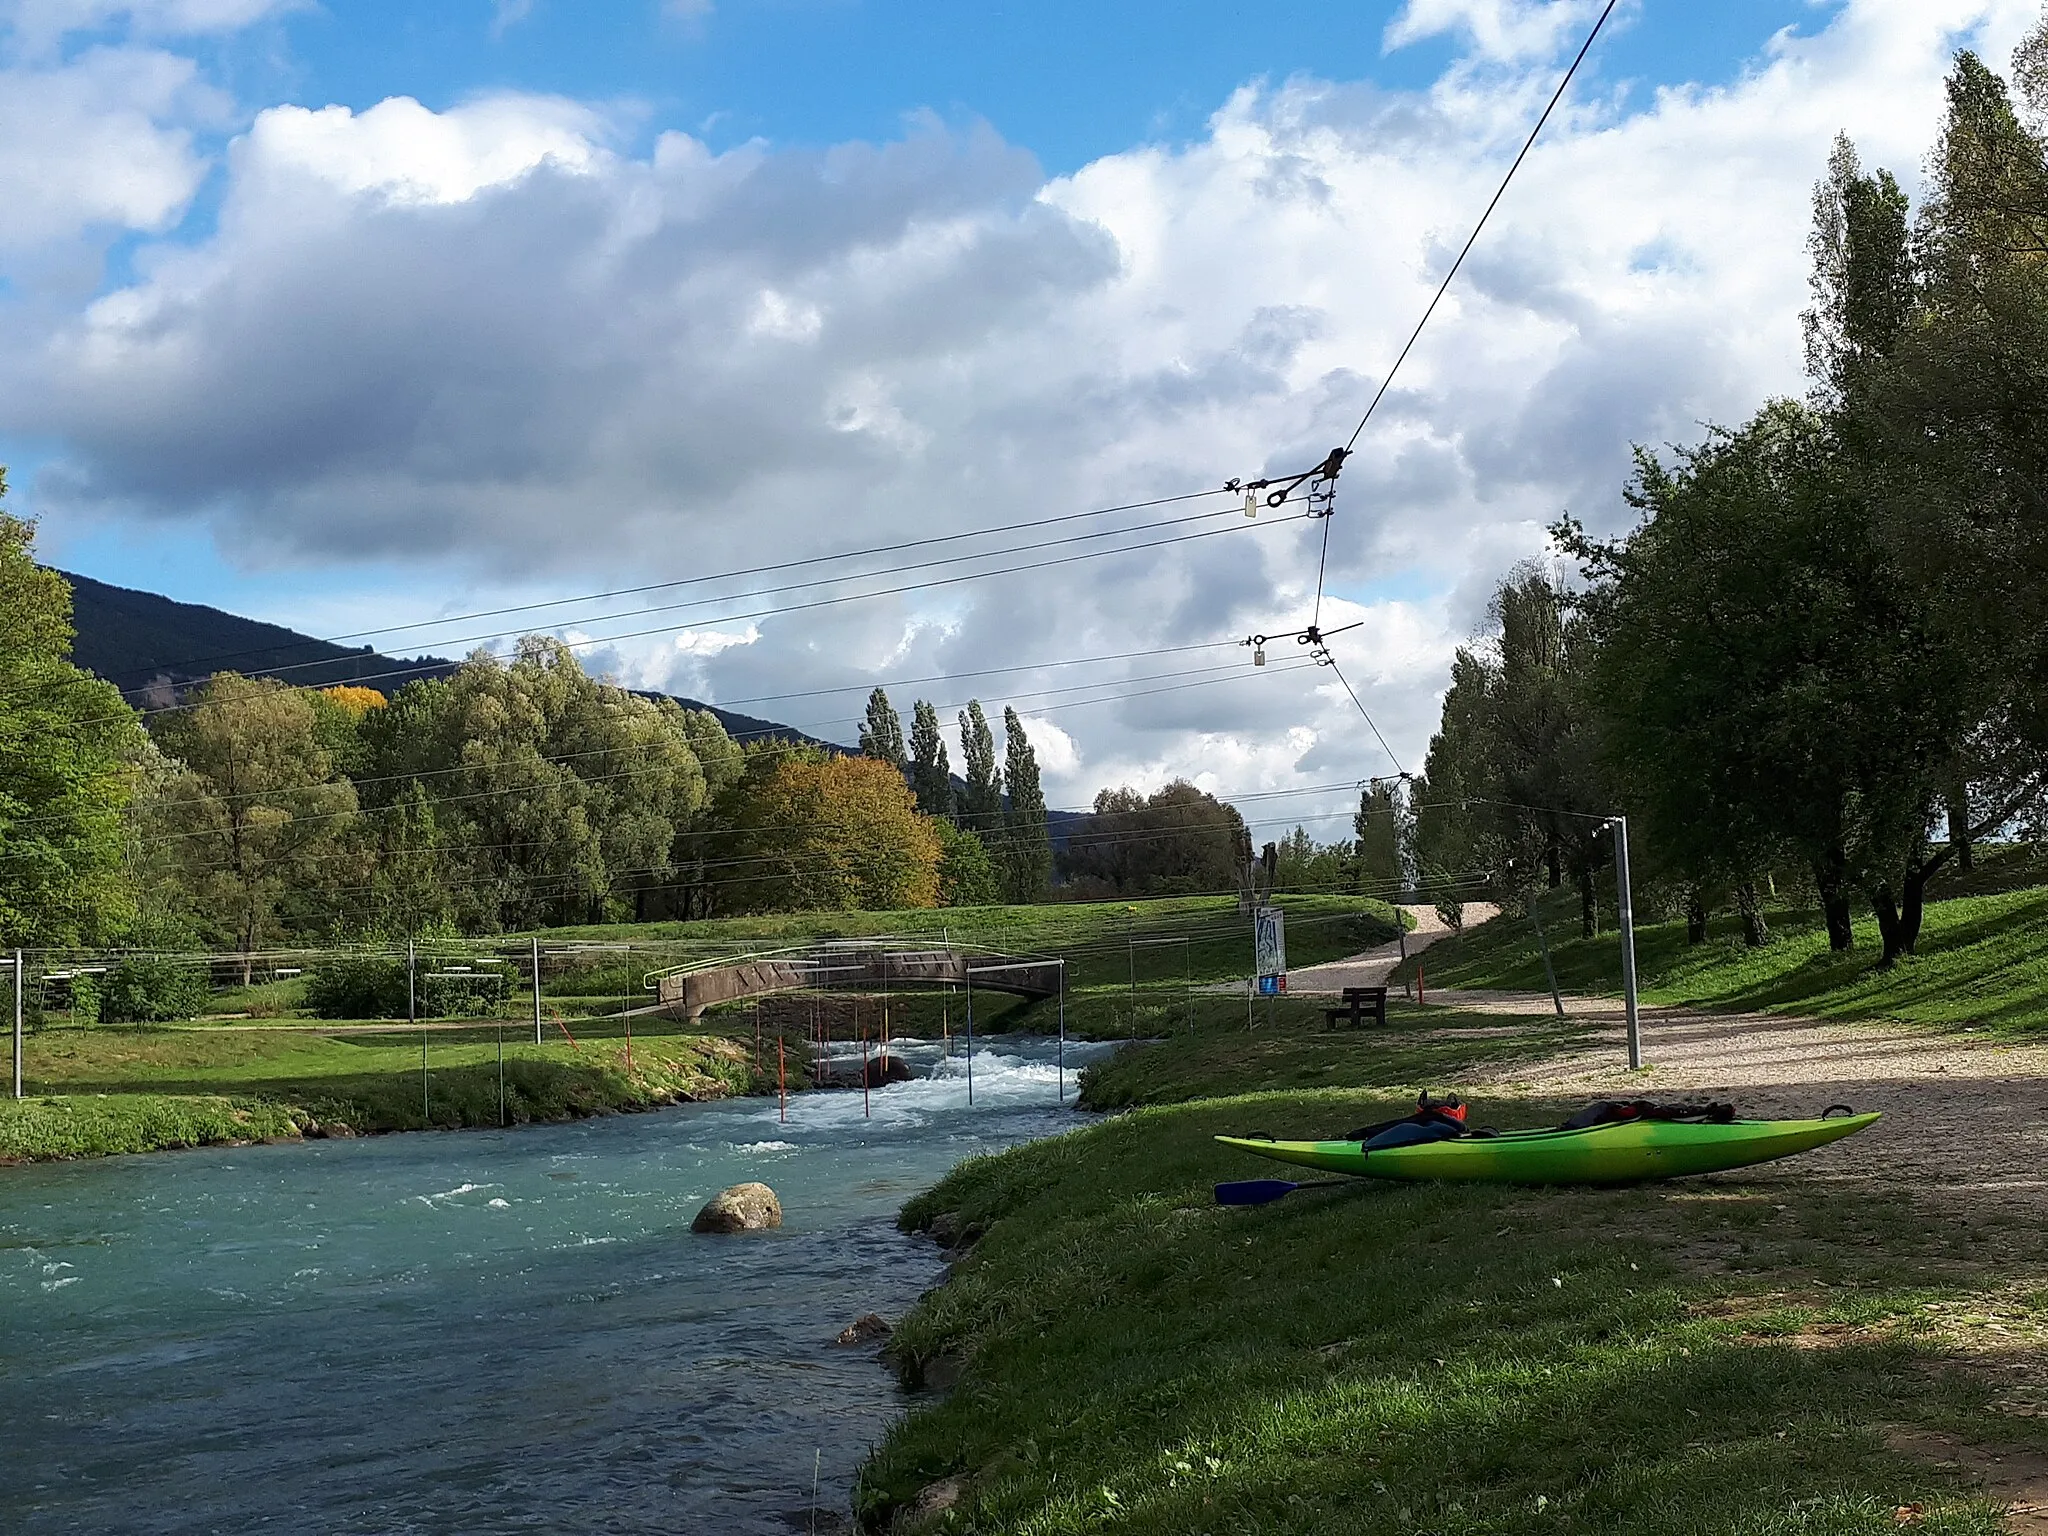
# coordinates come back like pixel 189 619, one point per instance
pixel 1839 1343
pixel 105 1090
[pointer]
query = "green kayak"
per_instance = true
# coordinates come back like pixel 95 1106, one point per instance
pixel 1619 1152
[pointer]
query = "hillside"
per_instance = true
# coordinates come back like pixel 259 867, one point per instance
pixel 135 639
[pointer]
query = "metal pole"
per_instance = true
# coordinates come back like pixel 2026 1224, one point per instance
pixel 1628 942
pixel 412 1016
pixel 1063 1031
pixel 1187 958
pixel 968 973
pixel 17 1023
pixel 1543 943
pixel 536 992
pixel 1131 950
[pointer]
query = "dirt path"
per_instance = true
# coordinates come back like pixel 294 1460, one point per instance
pixel 1966 1115
pixel 1372 967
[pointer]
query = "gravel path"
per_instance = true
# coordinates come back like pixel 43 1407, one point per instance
pixel 1966 1115
pixel 1372 967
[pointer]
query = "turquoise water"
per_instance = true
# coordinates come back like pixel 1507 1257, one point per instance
pixel 478 1331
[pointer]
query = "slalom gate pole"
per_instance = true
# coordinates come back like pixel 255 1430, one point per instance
pixel 864 1111
pixel 536 992
pixel 413 1017
pixel 1063 1031
pixel 1628 943
pixel 501 1075
pixel 17 1023
pixel 970 1036
pixel 781 1082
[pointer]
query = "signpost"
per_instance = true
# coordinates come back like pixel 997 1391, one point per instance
pixel 1269 945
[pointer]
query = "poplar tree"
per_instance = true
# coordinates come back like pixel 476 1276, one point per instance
pixel 1027 850
pixel 881 733
pixel 981 802
pixel 931 776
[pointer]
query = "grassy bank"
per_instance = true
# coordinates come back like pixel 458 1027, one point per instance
pixel 1724 1356
pixel 93 1091
pixel 1982 960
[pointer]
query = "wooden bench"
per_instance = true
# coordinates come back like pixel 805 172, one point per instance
pixel 1358 1003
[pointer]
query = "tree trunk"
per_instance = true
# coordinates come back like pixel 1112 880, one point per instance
pixel 1552 865
pixel 1755 932
pixel 1913 907
pixel 1695 918
pixel 1890 924
pixel 1834 903
pixel 1589 907
pixel 1959 827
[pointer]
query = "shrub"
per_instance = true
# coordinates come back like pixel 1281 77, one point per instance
pixel 85 999
pixel 358 987
pixel 151 990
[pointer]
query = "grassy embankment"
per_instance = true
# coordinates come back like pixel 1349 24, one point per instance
pixel 103 1089
pixel 1982 960
pixel 1741 1354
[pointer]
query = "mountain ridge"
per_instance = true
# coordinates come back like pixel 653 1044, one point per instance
pixel 137 639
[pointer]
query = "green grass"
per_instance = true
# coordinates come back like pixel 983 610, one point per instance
pixel 61 1126
pixel 1982 961
pixel 1133 1358
pixel 139 1089
pixel 1290 1049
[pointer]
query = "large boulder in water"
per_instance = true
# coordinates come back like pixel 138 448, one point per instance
pixel 743 1208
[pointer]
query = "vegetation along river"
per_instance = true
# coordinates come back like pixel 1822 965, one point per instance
pixel 480 1331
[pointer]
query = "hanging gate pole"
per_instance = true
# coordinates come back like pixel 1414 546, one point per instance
pixel 536 992
pixel 1063 1031
pixel 1543 943
pixel 17 1023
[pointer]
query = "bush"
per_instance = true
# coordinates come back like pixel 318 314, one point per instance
pixel 85 999
pixel 153 991
pixel 358 987
pixel 373 987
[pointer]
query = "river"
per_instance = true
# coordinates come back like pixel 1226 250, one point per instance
pixel 479 1331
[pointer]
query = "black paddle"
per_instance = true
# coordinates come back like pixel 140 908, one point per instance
pixel 1266 1191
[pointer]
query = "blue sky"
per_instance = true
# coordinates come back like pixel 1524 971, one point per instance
pixel 1066 79
pixel 635 294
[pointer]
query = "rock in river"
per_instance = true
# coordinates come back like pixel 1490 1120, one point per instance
pixel 864 1329
pixel 743 1208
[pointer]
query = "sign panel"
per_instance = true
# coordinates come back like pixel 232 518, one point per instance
pixel 1269 945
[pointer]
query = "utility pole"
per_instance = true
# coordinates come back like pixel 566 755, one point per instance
pixel 17 1023
pixel 1628 942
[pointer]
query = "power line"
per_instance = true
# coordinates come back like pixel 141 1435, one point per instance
pixel 1473 238
pixel 663 586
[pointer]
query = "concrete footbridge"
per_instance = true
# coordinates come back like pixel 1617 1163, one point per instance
pixel 685 991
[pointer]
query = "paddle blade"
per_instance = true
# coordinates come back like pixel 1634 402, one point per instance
pixel 1253 1191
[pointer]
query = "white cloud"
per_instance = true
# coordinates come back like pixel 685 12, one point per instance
pixel 87 146
pixel 38 25
pixel 1497 30
pixel 488 338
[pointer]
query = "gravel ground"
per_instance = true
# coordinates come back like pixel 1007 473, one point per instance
pixel 1372 967
pixel 1966 1115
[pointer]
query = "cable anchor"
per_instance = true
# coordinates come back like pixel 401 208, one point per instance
pixel 1278 488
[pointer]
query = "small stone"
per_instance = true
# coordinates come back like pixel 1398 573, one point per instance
pixel 864 1329
pixel 944 1227
pixel 743 1208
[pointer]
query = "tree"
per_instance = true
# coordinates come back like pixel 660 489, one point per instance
pixel 1303 864
pixel 881 733
pixel 257 811
pixel 1768 678
pixel 1381 825
pixel 1180 840
pixel 69 753
pixel 1026 848
pixel 931 777
pixel 967 875
pixel 834 833
pixel 981 801
pixel 557 798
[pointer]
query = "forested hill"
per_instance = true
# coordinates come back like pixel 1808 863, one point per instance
pixel 133 639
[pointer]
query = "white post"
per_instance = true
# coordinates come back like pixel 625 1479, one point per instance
pixel 1628 942
pixel 17 1023
pixel 1063 1031
pixel 536 992
pixel 968 972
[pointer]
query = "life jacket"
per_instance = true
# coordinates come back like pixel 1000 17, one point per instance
pixel 1433 1120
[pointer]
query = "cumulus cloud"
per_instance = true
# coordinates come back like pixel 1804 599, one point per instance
pixel 492 341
